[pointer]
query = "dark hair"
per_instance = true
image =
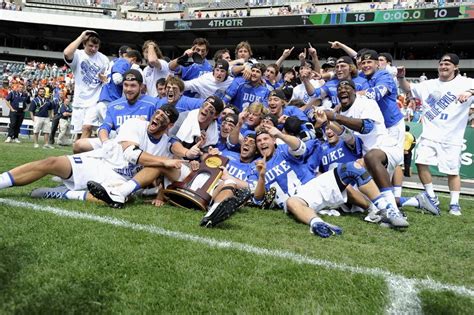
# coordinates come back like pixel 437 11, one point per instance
pixel 202 41
pixel 161 81
pixel 219 53
pixel 135 54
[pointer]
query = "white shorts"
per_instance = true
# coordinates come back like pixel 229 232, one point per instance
pixel 86 167
pixel 394 157
pixel 185 171
pixel 77 119
pixel 94 115
pixel 95 143
pixel 398 133
pixel 42 124
pixel 321 192
pixel 447 157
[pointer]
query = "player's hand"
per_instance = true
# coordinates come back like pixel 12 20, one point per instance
pixel 102 77
pixel 195 151
pixel 194 165
pixel 287 52
pixel 202 139
pixel 243 116
pixel 213 151
pixel 225 174
pixel 329 114
pixel 173 163
pixel 305 74
pixel 464 96
pixel 282 119
pixel 261 166
pixel 335 45
pixel 302 55
pixel 401 72
pixel 189 52
pixel 274 132
pixel 158 202
pixel 247 73
pixel 312 51
pixel 320 116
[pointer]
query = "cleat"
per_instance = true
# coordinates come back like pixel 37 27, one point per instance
pixel 8 140
pixel 48 146
pixel 455 209
pixel 427 203
pixel 269 198
pixel 393 217
pixel 36 145
pixel 325 230
pixel 106 194
pixel 225 209
pixel 17 140
pixel 50 193
pixel 373 217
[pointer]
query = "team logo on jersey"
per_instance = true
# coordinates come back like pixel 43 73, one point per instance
pixel 438 103
pixel 119 107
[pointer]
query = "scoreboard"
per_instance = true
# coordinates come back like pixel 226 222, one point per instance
pixel 323 19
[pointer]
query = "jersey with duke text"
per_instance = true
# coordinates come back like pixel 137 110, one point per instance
pixel 184 104
pixel 120 111
pixel 444 117
pixel 339 153
pixel 241 170
pixel 286 173
pixel 245 94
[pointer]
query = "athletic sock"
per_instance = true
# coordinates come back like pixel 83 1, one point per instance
pixel 6 180
pixel 389 197
pixel 127 188
pixel 397 191
pixel 315 220
pixel 75 195
pixel 430 190
pixel 411 202
pixel 454 197
pixel 372 207
pixel 380 202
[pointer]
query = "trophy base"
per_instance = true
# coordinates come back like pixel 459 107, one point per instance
pixel 184 198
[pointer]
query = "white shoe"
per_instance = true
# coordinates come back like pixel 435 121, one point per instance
pixel 9 139
pixel 17 140
pixel 36 145
pixel 48 146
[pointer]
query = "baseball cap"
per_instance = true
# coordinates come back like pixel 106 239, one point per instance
pixel 453 58
pixel 222 64
pixel 216 102
pixel 231 118
pixel 133 75
pixel 387 56
pixel 345 59
pixel 330 63
pixel 370 54
pixel 346 82
pixel 278 93
pixel 171 112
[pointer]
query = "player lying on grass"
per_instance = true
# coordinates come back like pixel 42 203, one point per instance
pixel 139 144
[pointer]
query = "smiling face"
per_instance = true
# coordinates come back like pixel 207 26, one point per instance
pixel 446 71
pixel 248 150
pixel 131 90
pixel 226 128
pixel 331 136
pixel 270 74
pixel 158 123
pixel 346 95
pixel 275 104
pixel 265 144
pixel 256 75
pixel 369 66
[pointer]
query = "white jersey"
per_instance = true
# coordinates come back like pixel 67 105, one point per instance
pixel 206 85
pixel 151 75
pixel 444 117
pixel 87 84
pixel 299 91
pixel 364 108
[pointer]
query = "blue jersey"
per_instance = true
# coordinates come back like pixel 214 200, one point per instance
pixel 330 88
pixel 120 111
pixel 111 91
pixel 293 111
pixel 194 71
pixel 40 107
pixel 184 103
pixel 286 173
pixel 241 170
pixel 275 86
pixel 333 155
pixel 384 91
pixel 243 94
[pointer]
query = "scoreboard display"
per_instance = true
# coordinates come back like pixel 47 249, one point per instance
pixel 336 18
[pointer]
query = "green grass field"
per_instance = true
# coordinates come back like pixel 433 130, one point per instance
pixel 60 257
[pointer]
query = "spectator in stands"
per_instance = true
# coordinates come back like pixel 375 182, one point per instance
pixel 86 65
pixel 17 102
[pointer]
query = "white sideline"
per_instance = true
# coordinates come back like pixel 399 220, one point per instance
pixel 402 291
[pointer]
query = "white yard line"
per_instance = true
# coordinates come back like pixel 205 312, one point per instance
pixel 403 292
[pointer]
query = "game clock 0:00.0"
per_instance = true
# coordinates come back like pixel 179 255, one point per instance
pixel 402 15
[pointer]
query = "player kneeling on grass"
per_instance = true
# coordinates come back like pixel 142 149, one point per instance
pixel 139 144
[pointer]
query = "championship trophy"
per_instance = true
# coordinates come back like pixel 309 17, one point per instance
pixel 195 190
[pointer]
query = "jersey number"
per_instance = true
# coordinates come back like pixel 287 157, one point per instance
pixel 292 182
